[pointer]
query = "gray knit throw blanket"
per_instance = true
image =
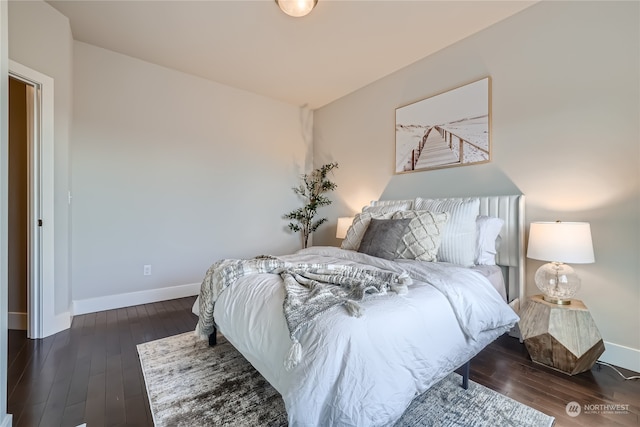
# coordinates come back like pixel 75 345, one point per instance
pixel 310 290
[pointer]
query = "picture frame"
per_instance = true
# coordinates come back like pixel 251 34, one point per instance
pixel 446 130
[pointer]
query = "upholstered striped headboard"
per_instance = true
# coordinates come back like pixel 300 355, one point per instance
pixel 511 254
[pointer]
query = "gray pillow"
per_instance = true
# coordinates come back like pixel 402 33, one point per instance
pixel 382 237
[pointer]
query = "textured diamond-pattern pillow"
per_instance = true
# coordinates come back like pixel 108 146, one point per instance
pixel 422 237
pixel 458 244
pixel 359 227
pixel 382 237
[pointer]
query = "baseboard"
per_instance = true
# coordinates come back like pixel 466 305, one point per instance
pixel 17 321
pixel 59 323
pixel 619 355
pixel 110 302
pixel 6 420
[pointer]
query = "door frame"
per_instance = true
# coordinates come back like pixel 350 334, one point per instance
pixel 41 291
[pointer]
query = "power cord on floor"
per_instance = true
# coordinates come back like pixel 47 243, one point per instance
pixel 637 377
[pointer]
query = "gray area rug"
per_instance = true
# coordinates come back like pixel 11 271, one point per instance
pixel 192 384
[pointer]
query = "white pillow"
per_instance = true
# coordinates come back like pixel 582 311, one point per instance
pixel 393 202
pixel 387 206
pixel 422 237
pixel 359 227
pixel 458 244
pixel 488 229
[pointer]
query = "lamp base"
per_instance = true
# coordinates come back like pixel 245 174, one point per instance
pixel 558 282
pixel 558 301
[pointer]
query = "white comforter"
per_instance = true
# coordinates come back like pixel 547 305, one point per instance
pixel 364 371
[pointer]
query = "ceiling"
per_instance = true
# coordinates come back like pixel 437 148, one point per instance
pixel 250 44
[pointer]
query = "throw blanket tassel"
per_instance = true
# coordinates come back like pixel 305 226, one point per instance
pixel 401 287
pixel 353 308
pixel 294 356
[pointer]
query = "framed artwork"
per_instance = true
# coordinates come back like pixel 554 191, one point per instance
pixel 445 130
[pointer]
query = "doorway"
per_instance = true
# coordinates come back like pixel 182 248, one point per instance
pixel 31 226
pixel 20 115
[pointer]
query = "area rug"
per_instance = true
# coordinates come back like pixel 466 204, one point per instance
pixel 191 384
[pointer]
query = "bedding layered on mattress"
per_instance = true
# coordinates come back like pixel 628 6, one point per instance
pixel 357 371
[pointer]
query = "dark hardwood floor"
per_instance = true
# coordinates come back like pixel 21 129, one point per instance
pixel 91 374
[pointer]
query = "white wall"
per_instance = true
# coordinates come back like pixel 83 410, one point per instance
pixel 173 171
pixel 40 38
pixel 565 132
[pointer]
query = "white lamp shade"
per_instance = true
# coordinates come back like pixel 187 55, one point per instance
pixel 566 242
pixel 343 225
pixel 296 8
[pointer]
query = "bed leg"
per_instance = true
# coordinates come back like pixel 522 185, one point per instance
pixel 465 375
pixel 212 337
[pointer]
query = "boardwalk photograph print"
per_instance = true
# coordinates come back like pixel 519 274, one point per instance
pixel 445 130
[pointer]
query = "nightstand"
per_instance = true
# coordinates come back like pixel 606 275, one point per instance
pixel 562 337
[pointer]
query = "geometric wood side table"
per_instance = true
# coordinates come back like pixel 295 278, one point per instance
pixel 562 337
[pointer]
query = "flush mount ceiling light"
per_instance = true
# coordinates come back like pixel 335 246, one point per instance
pixel 296 8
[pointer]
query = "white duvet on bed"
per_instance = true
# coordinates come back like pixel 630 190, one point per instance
pixel 364 371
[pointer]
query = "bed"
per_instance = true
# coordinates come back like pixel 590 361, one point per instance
pixel 359 356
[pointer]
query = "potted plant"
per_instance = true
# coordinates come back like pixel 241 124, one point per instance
pixel 312 190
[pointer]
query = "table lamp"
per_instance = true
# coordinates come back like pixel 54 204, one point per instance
pixel 560 243
pixel 343 225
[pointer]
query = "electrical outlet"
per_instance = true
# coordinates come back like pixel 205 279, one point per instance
pixel 147 270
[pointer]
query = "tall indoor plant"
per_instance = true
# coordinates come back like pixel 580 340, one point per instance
pixel 312 190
